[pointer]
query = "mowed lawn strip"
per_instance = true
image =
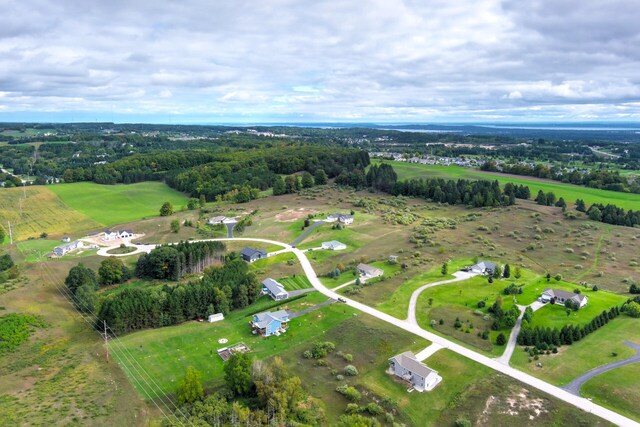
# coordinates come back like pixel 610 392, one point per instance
pixel 117 204
pixel 568 191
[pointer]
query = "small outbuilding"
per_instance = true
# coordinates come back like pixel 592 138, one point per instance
pixel 215 317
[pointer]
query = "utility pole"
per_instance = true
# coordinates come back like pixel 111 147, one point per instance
pixel 10 234
pixel 106 339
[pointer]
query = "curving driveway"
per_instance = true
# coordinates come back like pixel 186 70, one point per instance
pixel 411 314
pixel 574 386
pixel 564 395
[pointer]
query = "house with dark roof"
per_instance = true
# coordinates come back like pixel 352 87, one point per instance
pixel 274 289
pixel 558 296
pixel 368 271
pixel 217 220
pixel 483 267
pixel 408 368
pixel 270 323
pixel 251 255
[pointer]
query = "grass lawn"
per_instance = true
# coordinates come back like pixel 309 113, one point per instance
pixel 166 352
pixel 617 389
pixel 294 283
pixel 117 204
pixel 592 351
pixel 36 250
pixel 555 315
pixel 569 192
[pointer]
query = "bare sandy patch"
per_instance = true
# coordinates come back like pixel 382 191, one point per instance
pixel 294 214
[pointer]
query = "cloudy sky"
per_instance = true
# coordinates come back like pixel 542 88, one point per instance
pixel 314 60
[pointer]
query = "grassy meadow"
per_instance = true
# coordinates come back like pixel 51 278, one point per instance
pixel 617 389
pixel 117 204
pixel 568 191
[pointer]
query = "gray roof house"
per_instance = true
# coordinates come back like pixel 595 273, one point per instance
pixel 368 271
pixel 67 247
pixel 251 255
pixel 217 220
pixel 334 245
pixel 561 297
pixel 274 289
pixel 483 267
pixel 407 367
pixel 270 323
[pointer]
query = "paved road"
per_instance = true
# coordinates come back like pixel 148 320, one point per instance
pixel 344 285
pixel 532 381
pixel 411 314
pixel 294 314
pixel 574 386
pixel 306 232
pixel 139 249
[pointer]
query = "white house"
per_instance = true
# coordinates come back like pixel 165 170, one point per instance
pixel 67 247
pixel 407 367
pixel 110 235
pixel 561 297
pixel 342 218
pixel 334 245
pixel 66 239
pixel 126 234
pixel 274 289
pixel 215 317
pixel 367 271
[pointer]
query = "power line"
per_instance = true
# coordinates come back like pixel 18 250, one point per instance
pixel 92 320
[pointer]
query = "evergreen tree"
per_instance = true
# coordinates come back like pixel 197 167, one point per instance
pixel 320 177
pixel 580 206
pixel 561 203
pixel 166 209
pixel 445 269
pixel 541 198
pixel 595 214
pixel 279 187
pixel 507 271
pixel 307 180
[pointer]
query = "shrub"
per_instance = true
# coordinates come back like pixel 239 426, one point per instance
pixel 481 304
pixel 307 354
pixel 348 357
pixel 352 408
pixel 373 409
pixel 350 370
pixel 340 377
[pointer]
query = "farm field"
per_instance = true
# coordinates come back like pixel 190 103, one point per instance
pixel 117 204
pixel 42 211
pixel 568 191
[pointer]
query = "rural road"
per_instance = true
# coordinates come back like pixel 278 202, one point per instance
pixel 411 314
pixel 306 232
pixel 574 386
pixel 564 395
pixel 230 226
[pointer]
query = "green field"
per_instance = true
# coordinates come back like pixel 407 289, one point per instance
pixel 295 283
pixel 167 352
pixel 617 389
pixel 117 204
pixel 568 191
pixel 590 352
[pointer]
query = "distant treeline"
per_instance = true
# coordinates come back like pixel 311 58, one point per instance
pixel 594 178
pixel 221 290
pixel 174 261
pixel 612 214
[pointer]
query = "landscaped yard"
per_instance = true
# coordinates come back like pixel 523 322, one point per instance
pixel 295 283
pixel 117 204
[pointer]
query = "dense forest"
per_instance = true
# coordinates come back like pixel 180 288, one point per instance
pixel 222 289
pixel 171 262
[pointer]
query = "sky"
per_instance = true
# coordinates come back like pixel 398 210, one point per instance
pixel 261 61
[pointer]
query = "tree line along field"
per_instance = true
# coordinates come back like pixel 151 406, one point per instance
pixel 568 191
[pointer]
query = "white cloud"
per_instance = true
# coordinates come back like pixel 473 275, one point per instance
pixel 411 60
